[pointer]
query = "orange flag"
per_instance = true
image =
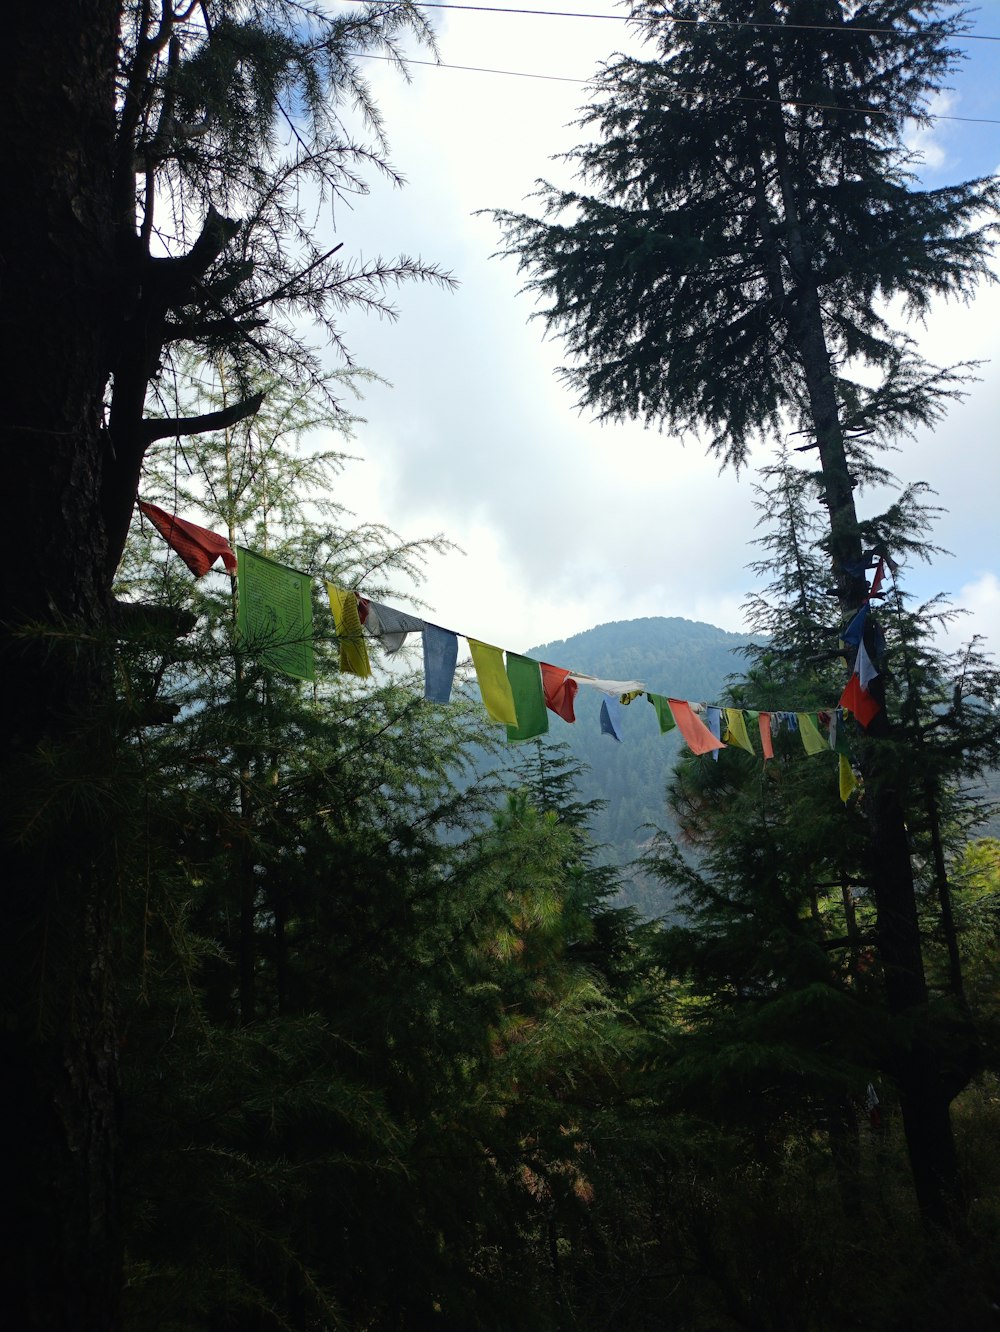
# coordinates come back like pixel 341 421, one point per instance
pixel 764 726
pixel 197 546
pixel 699 738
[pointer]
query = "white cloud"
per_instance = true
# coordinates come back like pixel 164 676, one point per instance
pixel 565 523
pixel 927 141
pixel 980 600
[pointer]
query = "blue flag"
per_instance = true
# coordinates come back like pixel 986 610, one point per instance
pixel 440 656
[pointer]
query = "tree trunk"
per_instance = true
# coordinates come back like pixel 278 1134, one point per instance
pixel 58 1046
pixel 924 1099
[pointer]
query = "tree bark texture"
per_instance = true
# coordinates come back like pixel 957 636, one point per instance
pixel 58 1045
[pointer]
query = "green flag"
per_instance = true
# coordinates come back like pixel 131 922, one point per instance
pixel 840 740
pixel 663 714
pixel 525 678
pixel 275 613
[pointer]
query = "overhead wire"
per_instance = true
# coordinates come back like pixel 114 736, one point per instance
pixel 844 30
pixel 728 23
pixel 768 101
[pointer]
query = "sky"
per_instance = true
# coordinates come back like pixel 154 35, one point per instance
pixel 565 523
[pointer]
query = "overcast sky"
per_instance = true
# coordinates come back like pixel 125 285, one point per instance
pixel 565 523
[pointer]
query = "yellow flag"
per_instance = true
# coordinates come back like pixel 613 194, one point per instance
pixel 812 741
pixel 735 732
pixel 493 682
pixel 848 781
pixel 353 653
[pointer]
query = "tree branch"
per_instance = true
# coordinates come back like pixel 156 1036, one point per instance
pixel 195 425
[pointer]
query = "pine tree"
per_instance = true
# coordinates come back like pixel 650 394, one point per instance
pixel 372 1007
pixel 752 206
pixel 160 158
pixel 788 1022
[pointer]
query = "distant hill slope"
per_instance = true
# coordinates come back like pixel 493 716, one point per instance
pixel 682 658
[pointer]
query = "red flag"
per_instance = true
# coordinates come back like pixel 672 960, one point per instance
pixel 858 700
pixel 559 691
pixel 876 588
pixel 197 546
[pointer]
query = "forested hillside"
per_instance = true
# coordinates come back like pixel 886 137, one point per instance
pixel 672 656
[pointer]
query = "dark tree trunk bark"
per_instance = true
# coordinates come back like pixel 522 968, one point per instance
pixel 58 1047
pixel 924 1093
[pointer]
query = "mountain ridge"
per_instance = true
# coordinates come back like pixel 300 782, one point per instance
pixel 670 655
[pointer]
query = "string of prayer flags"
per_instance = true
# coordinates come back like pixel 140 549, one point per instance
pixel 197 546
pixel 275 613
pixel 812 740
pixel 440 658
pixel 735 729
pixel 493 683
pixel 764 727
pixel 856 697
pixel 611 717
pixel 525 677
pixel 274 619
pixel 347 621
pixel 697 736
pixel 663 714
pixel 560 690
pixel 390 626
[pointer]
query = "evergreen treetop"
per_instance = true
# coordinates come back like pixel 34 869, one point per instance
pixel 753 163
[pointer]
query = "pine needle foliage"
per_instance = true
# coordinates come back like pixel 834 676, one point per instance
pixel 739 164
pixel 378 1016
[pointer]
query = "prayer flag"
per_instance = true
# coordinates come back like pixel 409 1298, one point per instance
pixel 876 588
pixel 618 687
pixel 848 781
pixel 863 666
pixel 859 701
pixel 854 632
pixel 736 729
pixel 275 613
pixel 764 727
pixel 525 678
pixel 838 734
pixel 390 626
pixel 560 690
pixel 856 696
pixel 347 620
pixel 713 720
pixel 663 714
pixel 197 546
pixel 698 737
pixel 812 741
pixel 440 656
pixel 611 717
pixel 493 682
